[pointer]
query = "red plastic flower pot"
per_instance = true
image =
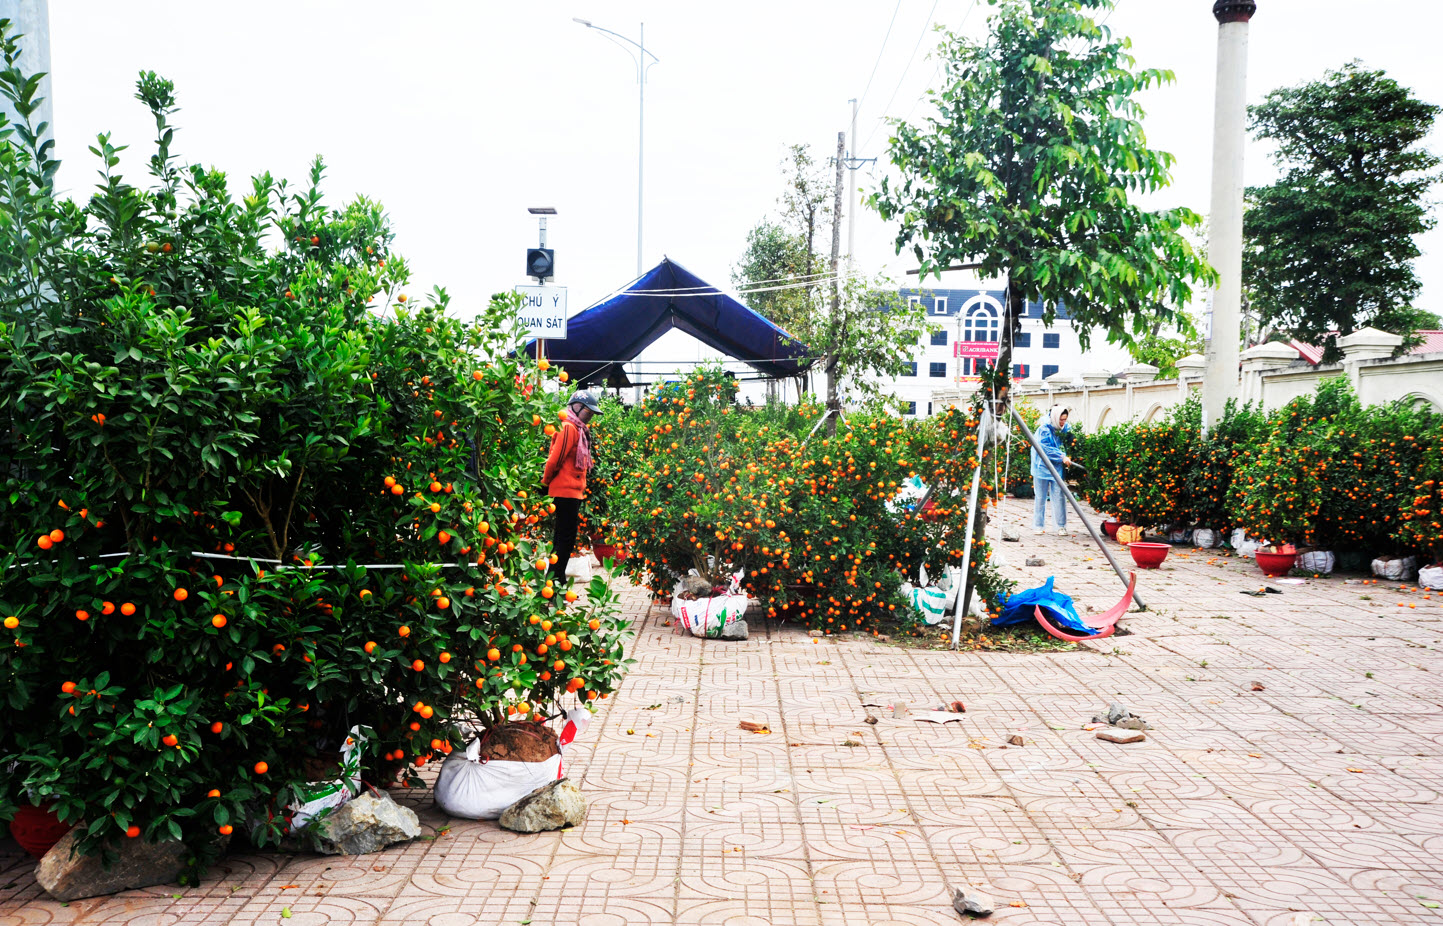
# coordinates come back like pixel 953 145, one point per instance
pixel 1148 555
pixel 603 551
pixel 1110 526
pixel 1275 564
pixel 37 829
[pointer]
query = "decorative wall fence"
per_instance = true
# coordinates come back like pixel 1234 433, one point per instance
pixel 1272 374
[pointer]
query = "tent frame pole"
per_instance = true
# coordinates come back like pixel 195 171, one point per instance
pixel 965 599
pixel 1067 493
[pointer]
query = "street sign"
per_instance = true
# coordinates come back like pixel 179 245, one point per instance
pixel 977 350
pixel 543 311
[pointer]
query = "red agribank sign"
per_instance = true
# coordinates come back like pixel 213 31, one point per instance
pixel 977 350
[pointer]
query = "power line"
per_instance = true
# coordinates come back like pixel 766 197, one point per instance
pixel 881 118
pixel 895 11
pixel 926 25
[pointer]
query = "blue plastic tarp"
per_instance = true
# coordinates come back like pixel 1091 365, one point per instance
pixel 669 296
pixel 1020 608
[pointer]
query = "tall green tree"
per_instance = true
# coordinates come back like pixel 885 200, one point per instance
pixel 1027 168
pixel 1330 246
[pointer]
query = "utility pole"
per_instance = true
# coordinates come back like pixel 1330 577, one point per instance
pixel 31 20
pixel 640 138
pixel 834 403
pixel 1225 222
pixel 853 163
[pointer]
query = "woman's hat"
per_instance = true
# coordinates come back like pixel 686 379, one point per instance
pixel 587 399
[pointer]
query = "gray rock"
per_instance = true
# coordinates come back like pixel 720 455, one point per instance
pixel 696 585
pixel 550 807
pixel 68 877
pixel 736 630
pixel 971 903
pixel 1010 536
pixel 814 633
pixel 365 823
pixel 1099 718
pixel 1035 561
pixel 1116 712
pixel 1132 723
pixel 1131 736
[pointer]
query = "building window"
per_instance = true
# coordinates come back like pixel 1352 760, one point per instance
pixel 1051 340
pixel 939 338
pixel 911 408
pixel 939 305
pixel 1048 369
pixel 1023 339
pixel 937 369
pixel 1019 371
pixel 981 323
pixel 911 369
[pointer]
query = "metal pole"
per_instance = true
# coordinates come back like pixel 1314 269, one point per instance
pixel 1032 439
pixel 965 599
pixel 640 138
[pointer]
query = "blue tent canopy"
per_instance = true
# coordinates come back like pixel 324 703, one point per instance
pixel 601 338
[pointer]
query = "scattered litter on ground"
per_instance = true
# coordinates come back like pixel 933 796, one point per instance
pixel 971 903
pixel 935 716
pixel 754 727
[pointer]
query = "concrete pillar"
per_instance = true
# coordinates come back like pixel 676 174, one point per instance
pixel 1225 220
pixel 30 19
pixel 1189 371
pixel 1259 360
pixel 1365 344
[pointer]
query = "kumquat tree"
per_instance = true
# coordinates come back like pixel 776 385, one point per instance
pixel 812 522
pixel 256 498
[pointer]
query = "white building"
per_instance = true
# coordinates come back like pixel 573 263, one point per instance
pixel 970 315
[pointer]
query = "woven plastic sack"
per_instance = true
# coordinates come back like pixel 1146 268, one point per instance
pixel 705 617
pixel 315 798
pixel 1244 545
pixel 1129 533
pixel 475 790
pixel 1205 538
pixel 1396 568
pixel 1431 577
pixel 1320 562
pixel 1181 535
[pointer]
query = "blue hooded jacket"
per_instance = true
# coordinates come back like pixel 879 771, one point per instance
pixel 1049 435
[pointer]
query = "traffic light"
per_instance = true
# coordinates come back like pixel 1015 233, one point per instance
pixel 540 263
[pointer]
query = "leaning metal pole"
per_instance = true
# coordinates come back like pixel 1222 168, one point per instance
pixel 1032 439
pixel 963 598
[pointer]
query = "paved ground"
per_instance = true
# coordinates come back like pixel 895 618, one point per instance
pixel 1316 799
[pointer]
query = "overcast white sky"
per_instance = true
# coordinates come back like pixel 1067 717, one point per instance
pixel 460 115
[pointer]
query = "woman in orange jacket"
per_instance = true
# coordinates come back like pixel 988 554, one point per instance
pixel 564 478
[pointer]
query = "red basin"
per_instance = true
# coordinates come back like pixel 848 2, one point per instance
pixel 1148 555
pixel 1110 526
pixel 1275 564
pixel 37 829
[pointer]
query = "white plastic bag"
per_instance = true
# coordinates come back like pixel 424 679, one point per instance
pixel 1396 569
pixel 1431 577
pixel 579 568
pixel 705 617
pixel 1205 538
pixel 467 787
pixel 316 797
pixel 1244 545
pixel 1320 562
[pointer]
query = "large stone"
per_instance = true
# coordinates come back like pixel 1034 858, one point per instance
pixel 365 823
pixel 971 903
pixel 550 807
pixel 67 876
pixel 736 630
pixel 1131 736
pixel 1116 712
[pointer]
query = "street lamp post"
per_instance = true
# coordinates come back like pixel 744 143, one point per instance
pixel 642 65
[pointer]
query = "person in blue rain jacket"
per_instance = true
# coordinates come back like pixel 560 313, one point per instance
pixel 1049 435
